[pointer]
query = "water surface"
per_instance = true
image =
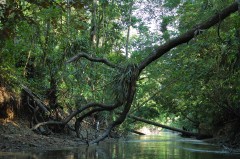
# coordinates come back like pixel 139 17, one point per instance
pixel 164 146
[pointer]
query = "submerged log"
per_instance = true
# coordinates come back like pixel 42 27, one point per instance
pixel 137 132
pixel 185 133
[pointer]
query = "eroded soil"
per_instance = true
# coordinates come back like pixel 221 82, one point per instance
pixel 16 136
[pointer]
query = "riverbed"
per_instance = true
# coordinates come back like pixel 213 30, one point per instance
pixel 163 146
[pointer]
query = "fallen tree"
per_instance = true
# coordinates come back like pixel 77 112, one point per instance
pixel 137 132
pixel 184 133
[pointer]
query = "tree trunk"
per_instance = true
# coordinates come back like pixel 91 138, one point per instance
pixel 52 92
pixel 129 28
pixel 185 133
pixel 93 31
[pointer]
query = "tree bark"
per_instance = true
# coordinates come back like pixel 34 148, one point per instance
pixel 129 28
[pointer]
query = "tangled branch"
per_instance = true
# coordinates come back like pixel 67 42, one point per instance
pixel 93 59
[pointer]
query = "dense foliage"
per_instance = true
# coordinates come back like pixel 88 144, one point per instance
pixel 197 82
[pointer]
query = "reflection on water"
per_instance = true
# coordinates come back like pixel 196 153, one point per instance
pixel 164 146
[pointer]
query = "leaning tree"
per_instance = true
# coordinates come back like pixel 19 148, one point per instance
pixel 127 77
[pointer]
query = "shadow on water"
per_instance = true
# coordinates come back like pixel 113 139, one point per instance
pixel 164 146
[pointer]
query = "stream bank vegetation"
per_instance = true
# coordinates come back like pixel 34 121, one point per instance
pixel 98 69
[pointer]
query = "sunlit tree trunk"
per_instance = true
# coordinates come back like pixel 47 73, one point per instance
pixel 93 31
pixel 129 28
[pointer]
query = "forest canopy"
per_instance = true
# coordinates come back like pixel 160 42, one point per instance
pixel 107 61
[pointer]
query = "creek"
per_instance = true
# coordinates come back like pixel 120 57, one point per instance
pixel 163 146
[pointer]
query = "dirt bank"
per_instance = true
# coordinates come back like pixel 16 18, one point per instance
pixel 16 136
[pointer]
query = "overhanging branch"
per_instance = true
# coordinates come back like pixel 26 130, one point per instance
pixel 93 59
pixel 184 38
pixel 199 136
pixel 99 106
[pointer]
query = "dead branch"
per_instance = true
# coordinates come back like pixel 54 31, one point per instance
pixel 93 59
pixel 47 123
pixel 39 103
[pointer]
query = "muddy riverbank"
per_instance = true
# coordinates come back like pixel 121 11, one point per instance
pixel 16 136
